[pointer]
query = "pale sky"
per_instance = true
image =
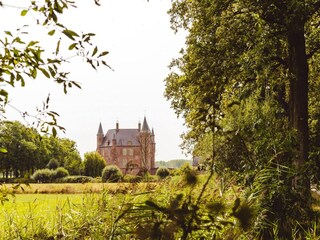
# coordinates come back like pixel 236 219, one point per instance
pixel 141 44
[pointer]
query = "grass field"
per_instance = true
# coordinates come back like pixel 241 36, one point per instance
pixel 77 188
pixel 94 210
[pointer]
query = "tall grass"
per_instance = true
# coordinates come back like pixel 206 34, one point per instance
pixel 127 211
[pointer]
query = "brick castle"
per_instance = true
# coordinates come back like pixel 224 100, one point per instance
pixel 132 150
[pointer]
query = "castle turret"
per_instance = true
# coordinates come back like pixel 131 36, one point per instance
pixel 100 136
pixel 145 127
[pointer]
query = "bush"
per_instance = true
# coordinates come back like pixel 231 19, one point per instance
pixel 48 175
pixel 162 172
pixel 132 178
pixel 75 179
pixel 43 175
pixel 185 168
pixel 53 164
pixel 149 178
pixel 111 173
pixel 61 172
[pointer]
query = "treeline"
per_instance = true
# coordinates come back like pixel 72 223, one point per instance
pixel 177 163
pixel 26 151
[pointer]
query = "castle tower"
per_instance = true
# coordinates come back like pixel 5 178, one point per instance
pixel 100 136
pixel 146 146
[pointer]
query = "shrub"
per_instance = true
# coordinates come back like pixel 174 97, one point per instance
pixel 43 175
pixel 185 168
pixel 53 164
pixel 162 172
pixel 75 179
pixel 149 178
pixel 111 173
pixel 132 178
pixel 61 172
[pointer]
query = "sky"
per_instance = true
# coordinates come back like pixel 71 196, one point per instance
pixel 141 45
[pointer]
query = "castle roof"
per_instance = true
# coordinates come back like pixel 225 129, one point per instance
pixel 145 127
pixel 123 137
pixel 100 131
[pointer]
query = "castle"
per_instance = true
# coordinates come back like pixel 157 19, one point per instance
pixel 132 150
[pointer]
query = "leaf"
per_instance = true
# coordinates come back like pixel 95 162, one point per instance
pixel 8 33
pixel 76 84
pixel 70 34
pixel 103 54
pixel 72 46
pixel 95 50
pixel 51 33
pixel 24 12
pixel 44 72
pixel 32 43
pixel 54 132
pixel 58 47
pixel 3 150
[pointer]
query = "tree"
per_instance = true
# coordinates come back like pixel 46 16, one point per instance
pixel 21 145
pixel 93 164
pixel 22 59
pixel 241 49
pixel 72 162
pixel 27 151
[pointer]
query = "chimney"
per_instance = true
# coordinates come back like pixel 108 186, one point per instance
pixel 139 126
pixel 117 126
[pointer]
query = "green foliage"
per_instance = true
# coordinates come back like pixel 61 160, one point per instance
pixel 277 199
pixel 53 164
pixel 186 167
pixel 49 175
pixel 111 173
pixel 43 175
pixel 131 178
pixel 93 164
pixel 27 151
pixel 162 172
pixel 245 95
pixel 72 162
pixel 75 179
pixel 61 172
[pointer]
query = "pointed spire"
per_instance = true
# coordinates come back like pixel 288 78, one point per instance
pixel 100 131
pixel 152 132
pixel 145 127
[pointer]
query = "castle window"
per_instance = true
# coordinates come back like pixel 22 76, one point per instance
pixel 130 152
pixel 129 143
pixel 124 151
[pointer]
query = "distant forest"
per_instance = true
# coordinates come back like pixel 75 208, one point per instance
pixel 172 163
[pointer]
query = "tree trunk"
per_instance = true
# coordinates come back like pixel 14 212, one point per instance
pixel 298 103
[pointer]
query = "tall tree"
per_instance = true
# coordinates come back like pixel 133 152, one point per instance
pixel 93 164
pixel 243 48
